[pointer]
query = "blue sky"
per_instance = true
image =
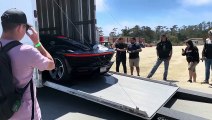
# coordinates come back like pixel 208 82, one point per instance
pixel 120 13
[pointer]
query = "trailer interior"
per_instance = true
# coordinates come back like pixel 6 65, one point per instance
pixel 72 18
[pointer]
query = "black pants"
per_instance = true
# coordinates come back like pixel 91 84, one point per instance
pixel 118 62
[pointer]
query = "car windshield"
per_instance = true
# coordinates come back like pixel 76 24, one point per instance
pixel 79 44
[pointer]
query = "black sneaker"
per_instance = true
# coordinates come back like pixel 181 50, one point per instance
pixel 205 82
pixel 189 81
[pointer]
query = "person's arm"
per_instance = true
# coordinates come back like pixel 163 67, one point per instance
pixel 157 53
pixel 114 44
pixel 192 55
pixel 183 52
pixel 128 50
pixel 122 50
pixel 35 39
pixel 195 54
pixel 203 52
pixel 118 49
pixel 170 53
pixel 157 50
pixel 138 48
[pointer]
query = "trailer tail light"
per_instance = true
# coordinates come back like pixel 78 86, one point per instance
pixel 88 55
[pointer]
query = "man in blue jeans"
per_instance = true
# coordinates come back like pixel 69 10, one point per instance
pixel 164 54
pixel 207 56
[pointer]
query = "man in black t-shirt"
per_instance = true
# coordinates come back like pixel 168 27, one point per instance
pixel 133 50
pixel 120 47
pixel 207 56
pixel 164 54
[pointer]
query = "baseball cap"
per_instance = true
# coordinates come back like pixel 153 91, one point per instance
pixel 14 16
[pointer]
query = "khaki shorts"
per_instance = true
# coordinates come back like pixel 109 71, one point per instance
pixel 134 62
pixel 192 66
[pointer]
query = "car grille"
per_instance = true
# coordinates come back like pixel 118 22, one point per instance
pixel 91 61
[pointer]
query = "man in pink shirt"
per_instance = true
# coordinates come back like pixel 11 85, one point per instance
pixel 24 58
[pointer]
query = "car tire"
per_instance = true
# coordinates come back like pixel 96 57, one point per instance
pixel 61 71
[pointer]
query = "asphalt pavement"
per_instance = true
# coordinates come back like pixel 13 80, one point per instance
pixel 56 105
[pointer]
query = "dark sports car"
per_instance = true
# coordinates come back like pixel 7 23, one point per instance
pixel 73 58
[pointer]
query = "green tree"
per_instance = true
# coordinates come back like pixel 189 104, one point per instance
pixel 176 34
pixel 136 31
pixel 174 40
pixel 126 31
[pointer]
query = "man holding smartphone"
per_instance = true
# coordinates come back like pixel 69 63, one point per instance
pixel 24 58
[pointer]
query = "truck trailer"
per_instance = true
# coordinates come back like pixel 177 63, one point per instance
pixel 142 97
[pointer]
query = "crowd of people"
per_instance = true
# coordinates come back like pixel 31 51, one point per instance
pixel 164 54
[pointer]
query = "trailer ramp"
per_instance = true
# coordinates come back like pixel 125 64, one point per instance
pixel 133 95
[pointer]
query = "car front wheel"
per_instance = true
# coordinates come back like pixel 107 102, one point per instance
pixel 60 73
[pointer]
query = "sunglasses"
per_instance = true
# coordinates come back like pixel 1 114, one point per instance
pixel 27 27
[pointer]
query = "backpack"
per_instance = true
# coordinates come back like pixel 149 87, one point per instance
pixel 10 96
